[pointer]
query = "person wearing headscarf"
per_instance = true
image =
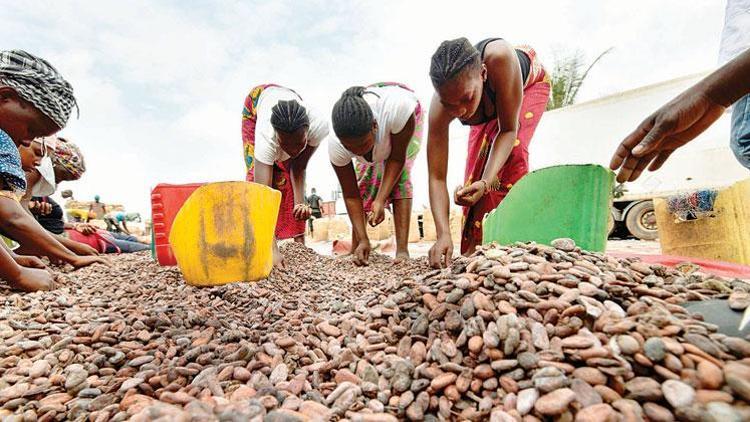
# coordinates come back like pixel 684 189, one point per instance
pixel 35 101
pixel 279 135
pixel 47 163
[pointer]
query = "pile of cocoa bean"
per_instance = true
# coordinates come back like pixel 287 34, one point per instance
pixel 514 333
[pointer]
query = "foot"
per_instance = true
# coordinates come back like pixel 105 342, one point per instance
pixel 33 279
pixel 387 246
pixel 401 256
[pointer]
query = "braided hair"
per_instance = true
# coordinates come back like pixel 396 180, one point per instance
pixel 352 116
pixel 288 116
pixel 452 57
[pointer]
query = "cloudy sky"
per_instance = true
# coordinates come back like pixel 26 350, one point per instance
pixel 161 84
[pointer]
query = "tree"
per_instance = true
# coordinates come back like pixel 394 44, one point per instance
pixel 567 77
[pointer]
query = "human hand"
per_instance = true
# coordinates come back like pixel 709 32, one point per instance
pixel 302 212
pixel 670 127
pixel 361 254
pixel 85 228
pixel 33 279
pixel 82 249
pixel 40 208
pixel 469 195
pixel 85 261
pixel 441 253
pixel 377 214
pixel 29 261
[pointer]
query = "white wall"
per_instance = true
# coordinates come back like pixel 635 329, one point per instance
pixel 590 132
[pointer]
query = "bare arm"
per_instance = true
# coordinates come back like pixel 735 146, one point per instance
pixel 355 209
pixel 437 165
pixel 395 162
pixel 681 120
pixel 32 178
pixel 441 253
pixel 394 165
pixel 730 82
pixel 264 174
pixel 504 74
pixel 22 227
pixel 298 168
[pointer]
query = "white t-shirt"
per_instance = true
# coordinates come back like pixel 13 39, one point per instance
pixel 735 38
pixel 267 148
pixel 392 110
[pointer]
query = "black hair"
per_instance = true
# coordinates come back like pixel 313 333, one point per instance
pixel 288 116
pixel 450 59
pixel 352 116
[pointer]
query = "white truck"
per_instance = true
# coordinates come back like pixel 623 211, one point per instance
pixel 589 132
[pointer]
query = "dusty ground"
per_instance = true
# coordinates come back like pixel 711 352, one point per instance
pixel 523 333
pixel 420 249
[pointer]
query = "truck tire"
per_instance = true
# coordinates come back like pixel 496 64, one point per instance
pixel 610 224
pixel 641 221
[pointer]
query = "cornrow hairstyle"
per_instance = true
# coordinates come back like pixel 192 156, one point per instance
pixel 450 59
pixel 352 116
pixel 288 116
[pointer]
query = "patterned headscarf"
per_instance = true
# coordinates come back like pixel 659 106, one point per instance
pixel 10 164
pixel 67 156
pixel 37 82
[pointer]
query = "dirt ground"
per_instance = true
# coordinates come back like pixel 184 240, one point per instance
pixel 420 249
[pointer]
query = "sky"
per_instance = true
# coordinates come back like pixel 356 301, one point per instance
pixel 161 84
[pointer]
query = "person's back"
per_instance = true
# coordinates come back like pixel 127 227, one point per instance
pixel 314 202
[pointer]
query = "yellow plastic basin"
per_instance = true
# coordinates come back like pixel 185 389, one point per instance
pixel 224 232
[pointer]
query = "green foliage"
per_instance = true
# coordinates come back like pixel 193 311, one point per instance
pixel 567 76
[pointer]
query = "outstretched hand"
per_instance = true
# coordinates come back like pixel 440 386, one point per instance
pixel 670 127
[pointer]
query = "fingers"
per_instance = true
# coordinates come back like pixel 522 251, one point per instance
pixel 659 160
pixel 434 262
pixel 641 165
pixel 624 150
pixel 448 256
pixel 626 169
pixel 651 141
